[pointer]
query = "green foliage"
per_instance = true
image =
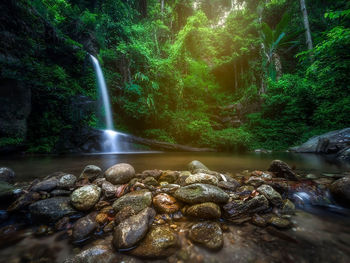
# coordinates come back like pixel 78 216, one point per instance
pixel 10 141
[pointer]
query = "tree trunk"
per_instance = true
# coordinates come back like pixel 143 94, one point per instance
pixel 162 6
pixel 278 65
pixel 306 25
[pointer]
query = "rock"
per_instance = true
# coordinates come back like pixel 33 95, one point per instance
pixel 182 178
pixel 52 209
pixel 160 242
pixel 255 181
pixel 344 154
pixel 340 190
pixel 331 142
pixel 152 173
pixel 6 191
pixel 60 192
pixel 238 208
pixel 169 176
pixel 200 193
pixel 207 234
pixel 46 185
pixel 109 190
pixel 7 175
pixel 150 181
pixel 228 186
pixel 132 230
pixel 137 200
pixel 84 227
pixel 123 214
pixel 245 189
pixel 168 188
pixel 84 198
pixel 62 224
pixel 279 222
pixel 91 172
pixel 288 207
pixel 281 169
pixel 95 254
pixel 67 181
pixel 205 210
pixel 258 220
pixel 165 203
pixel 120 173
pixel 201 178
pixel 271 194
pixel 194 165
pixel 102 218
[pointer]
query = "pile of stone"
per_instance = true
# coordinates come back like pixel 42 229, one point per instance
pixel 143 212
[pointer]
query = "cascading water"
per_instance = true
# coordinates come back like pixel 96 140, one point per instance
pixel 112 139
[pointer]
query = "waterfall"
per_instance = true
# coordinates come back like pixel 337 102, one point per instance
pixel 112 139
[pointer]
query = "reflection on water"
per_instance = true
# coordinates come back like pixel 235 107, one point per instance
pixel 30 167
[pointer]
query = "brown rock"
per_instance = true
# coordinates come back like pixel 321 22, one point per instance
pixel 165 203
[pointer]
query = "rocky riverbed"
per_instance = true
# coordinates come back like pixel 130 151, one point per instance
pixel 199 215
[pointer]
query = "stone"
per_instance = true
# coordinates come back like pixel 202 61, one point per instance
pixel 123 214
pixel 84 227
pixel 150 181
pixel 91 172
pixel 182 178
pixel 340 190
pixel 239 208
pixel 85 197
pixel 67 181
pixel 51 209
pixel 169 176
pixel 207 234
pixel 160 242
pixel 279 222
pixel 7 175
pixel 258 220
pixel 228 186
pixel 109 190
pixel 137 200
pixel 120 173
pixel 200 193
pixel 194 165
pixel 281 169
pixel 151 173
pixel 6 191
pixel 206 210
pixel 168 188
pixel 201 178
pixel 271 194
pixel 102 218
pixel 245 189
pixel 255 181
pixel 129 232
pixel 288 207
pixel 95 254
pixel 60 192
pixel 46 185
pixel 165 203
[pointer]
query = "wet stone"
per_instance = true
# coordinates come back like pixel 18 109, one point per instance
pixel 258 220
pixel 288 207
pixel 201 178
pixel 281 169
pixel 84 227
pixel 120 173
pixel 66 181
pixel 109 190
pixel 205 210
pixel 165 203
pixel 46 185
pixel 279 222
pixel 7 175
pixel 169 176
pixel 123 214
pixel 84 198
pixel 207 234
pixel 90 172
pixel 238 208
pixel 228 186
pixel 150 181
pixel 194 165
pixel 137 200
pixel 271 194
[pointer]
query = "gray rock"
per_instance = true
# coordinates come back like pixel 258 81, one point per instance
pixel 279 222
pixel 95 254
pixel 196 165
pixel 238 208
pixel 91 172
pixel 46 185
pixel 60 192
pixel 132 230
pixel 200 193
pixel 84 227
pixel 160 242
pixel 207 210
pixel 340 190
pixel 120 173
pixel 84 198
pixel 271 194
pixel 288 207
pixel 207 234
pixel 137 200
pixel 52 209
pixel 6 191
pixel 109 190
pixel 281 169
pixel 228 186
pixel 7 175
pixel 67 181
pixel 201 178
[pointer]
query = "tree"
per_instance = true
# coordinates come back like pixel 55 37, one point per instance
pixel 306 25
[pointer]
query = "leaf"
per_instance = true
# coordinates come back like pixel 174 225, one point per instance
pixel 267 34
pixel 281 26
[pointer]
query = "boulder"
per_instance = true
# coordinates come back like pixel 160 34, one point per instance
pixel 201 178
pixel 91 172
pixel 46 185
pixel 95 254
pixel 238 208
pixel 288 207
pixel 281 169
pixel 200 193
pixel 228 186
pixel 194 165
pixel 84 227
pixel 165 203
pixel 132 230
pixel 7 175
pixel 137 200
pixel 109 190
pixel 207 210
pixel 67 181
pixel 160 242
pixel 169 176
pixel 51 209
pixel 207 234
pixel 340 190
pixel 84 198
pixel 123 214
pixel 279 222
pixel 271 194
pixel 120 173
